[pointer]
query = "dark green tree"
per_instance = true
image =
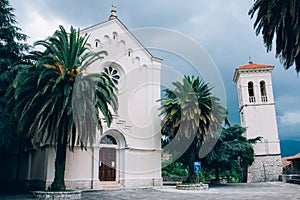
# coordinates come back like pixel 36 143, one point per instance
pixel 233 151
pixel 11 45
pixel 190 113
pixel 280 18
pixel 12 49
pixel 56 102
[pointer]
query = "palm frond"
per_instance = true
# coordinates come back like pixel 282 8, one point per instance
pixel 54 101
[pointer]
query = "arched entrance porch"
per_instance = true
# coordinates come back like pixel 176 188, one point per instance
pixel 111 157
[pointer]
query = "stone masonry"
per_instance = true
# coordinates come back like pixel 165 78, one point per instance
pixel 265 168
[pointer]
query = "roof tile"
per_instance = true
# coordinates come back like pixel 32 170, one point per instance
pixel 254 66
pixel 297 156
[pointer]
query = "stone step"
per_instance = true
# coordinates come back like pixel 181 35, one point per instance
pixel 171 183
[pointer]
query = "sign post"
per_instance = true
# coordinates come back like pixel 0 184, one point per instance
pixel 197 169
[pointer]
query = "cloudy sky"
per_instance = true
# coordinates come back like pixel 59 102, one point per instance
pixel 222 28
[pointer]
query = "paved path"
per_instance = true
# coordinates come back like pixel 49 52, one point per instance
pixel 263 191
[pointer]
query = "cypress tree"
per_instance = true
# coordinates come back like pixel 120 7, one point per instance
pixel 12 50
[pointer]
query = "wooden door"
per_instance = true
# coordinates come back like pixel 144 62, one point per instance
pixel 107 164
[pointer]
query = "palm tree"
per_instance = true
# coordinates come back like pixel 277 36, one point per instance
pixel 57 102
pixel 280 17
pixel 190 113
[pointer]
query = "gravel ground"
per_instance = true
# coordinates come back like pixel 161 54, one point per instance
pixel 241 191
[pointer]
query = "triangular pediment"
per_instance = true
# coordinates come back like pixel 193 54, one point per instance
pixel 108 30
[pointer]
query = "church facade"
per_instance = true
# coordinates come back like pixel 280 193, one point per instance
pixel 128 153
pixel 258 116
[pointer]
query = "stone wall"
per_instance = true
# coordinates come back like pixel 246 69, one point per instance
pixel 265 168
pixel 43 195
pixel 199 186
pixel 174 178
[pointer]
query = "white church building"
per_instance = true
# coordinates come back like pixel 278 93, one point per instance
pixel 128 153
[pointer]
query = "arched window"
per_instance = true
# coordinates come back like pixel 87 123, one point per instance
pixel 129 52
pixel 242 117
pixel 97 43
pixel 263 91
pixel 251 92
pixel 122 43
pixel 89 45
pixel 137 60
pixel 115 35
pixel 107 139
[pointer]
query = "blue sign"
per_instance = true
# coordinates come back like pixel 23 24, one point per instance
pixel 197 167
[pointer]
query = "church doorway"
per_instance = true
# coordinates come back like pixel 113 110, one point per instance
pixel 107 158
pixel 107 165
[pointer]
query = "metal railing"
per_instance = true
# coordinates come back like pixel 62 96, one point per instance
pixel 252 99
pixel 264 99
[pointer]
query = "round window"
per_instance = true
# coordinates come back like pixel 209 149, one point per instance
pixel 113 74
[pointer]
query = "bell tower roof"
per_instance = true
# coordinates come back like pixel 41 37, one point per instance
pixel 251 67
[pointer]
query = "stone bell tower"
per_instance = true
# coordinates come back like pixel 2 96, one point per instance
pixel 257 114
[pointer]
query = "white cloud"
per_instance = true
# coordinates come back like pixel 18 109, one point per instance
pixel 290 118
pixel 39 28
pixel 36 25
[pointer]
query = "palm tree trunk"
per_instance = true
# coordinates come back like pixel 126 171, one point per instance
pixel 18 162
pixel 60 164
pixel 217 173
pixel 191 154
